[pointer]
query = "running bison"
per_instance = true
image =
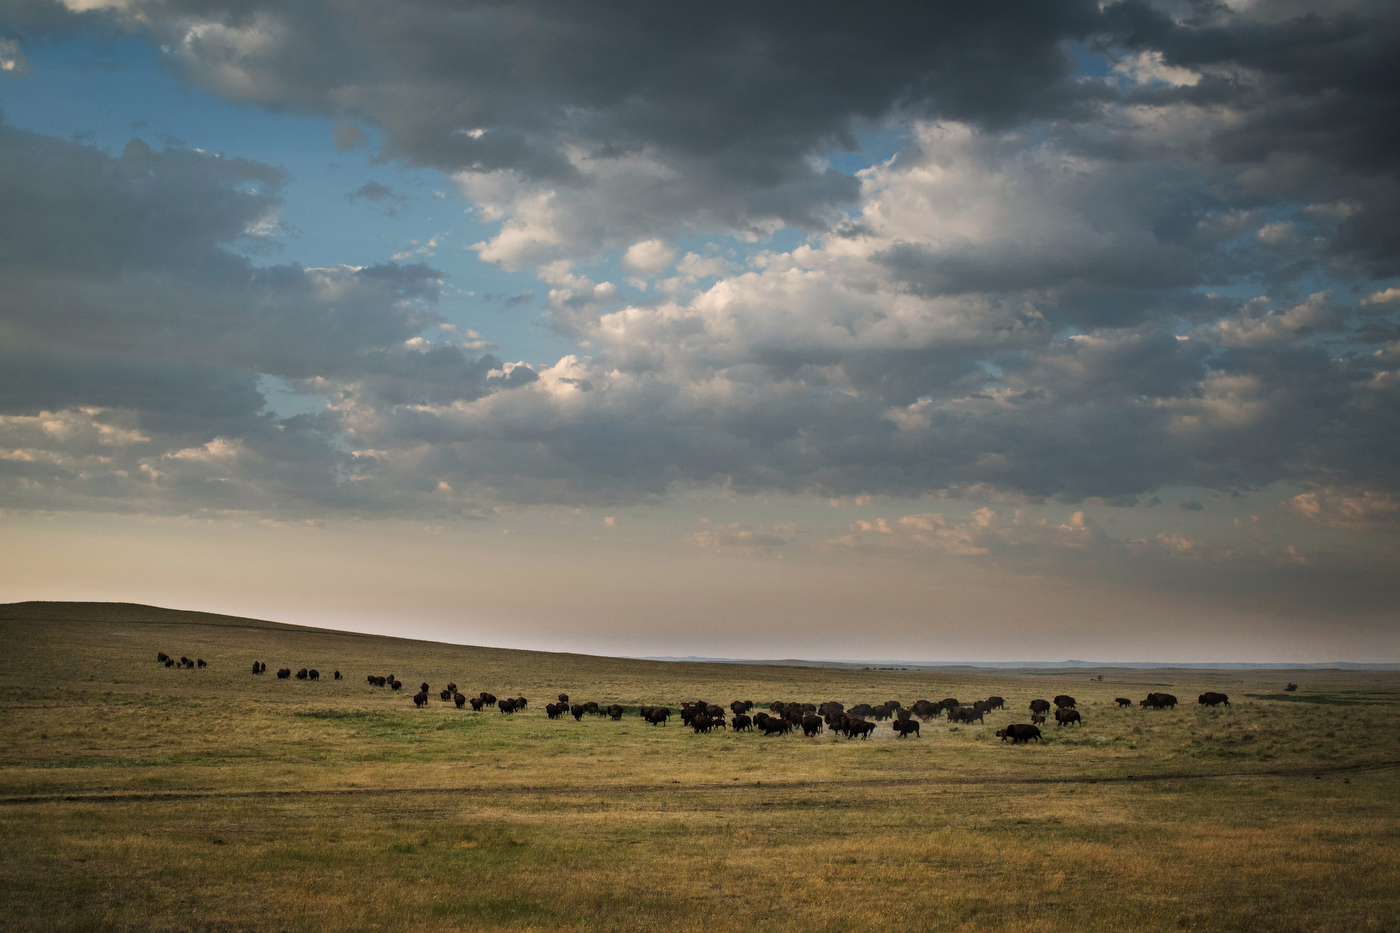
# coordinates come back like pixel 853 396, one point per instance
pixel 905 727
pixel 1123 702
pixel 1213 699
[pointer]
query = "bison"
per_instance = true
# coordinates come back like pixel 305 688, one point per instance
pixel 906 726
pixel 1064 702
pixel 314 674
pixel 200 662
pixel 1159 701
pixel 1213 699
pixel 742 723
pixel 1019 732
pixel 1123 702
pixel 1040 706
pixel 859 727
pixel 284 673
pixel 1064 717
pixel 811 725
pixel 995 703
pixel 458 700
pixel 257 668
pixel 420 699
pixel 477 704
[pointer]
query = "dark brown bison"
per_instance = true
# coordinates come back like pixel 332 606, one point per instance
pixel 488 698
pixel 563 698
pixel 1122 702
pixel 423 686
pixel 458 700
pixel 1159 701
pixel 811 725
pixel 995 703
pixel 775 726
pixel 477 704
pixel 658 715
pixel 257 668
pixel 284 673
pixel 301 674
pixel 859 728
pixel 741 723
pixel 577 711
pixel 1064 717
pixel 169 662
pixel 199 662
pixel 1038 719
pixel 162 657
pixel 337 675
pixel 1040 706
pixel 508 705
pixel 555 710
pixel 314 674
pixel 615 712
pixel 906 726
pixel 1213 699
pixel 420 700
pixel 445 695
pixel 1019 732
pixel 1064 702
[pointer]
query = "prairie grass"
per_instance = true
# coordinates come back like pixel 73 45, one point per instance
pixel 135 797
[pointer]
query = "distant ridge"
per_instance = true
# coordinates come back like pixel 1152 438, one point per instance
pixel 1051 665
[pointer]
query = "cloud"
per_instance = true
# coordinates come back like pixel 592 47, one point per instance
pixel 648 256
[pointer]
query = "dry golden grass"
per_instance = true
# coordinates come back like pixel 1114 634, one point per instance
pixel 134 797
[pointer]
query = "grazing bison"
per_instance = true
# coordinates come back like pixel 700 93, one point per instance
pixel 396 685
pixel 1064 717
pixel 1123 702
pixel 905 726
pixel 199 662
pixel 615 712
pixel 162 657
pixel 257 668
pixel 1040 706
pixel 301 674
pixel 169 662
pixel 1213 699
pixel 420 699
pixel 1019 732
pixel 1064 702
pixel 314 674
pixel 284 673
pixel 508 705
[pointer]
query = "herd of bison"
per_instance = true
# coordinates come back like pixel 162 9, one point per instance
pixel 779 719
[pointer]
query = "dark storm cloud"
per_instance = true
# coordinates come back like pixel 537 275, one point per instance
pixel 1061 287
pixel 135 335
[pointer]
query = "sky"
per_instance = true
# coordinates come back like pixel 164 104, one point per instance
pixel 904 331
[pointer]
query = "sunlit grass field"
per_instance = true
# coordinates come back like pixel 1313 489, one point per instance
pixel 136 797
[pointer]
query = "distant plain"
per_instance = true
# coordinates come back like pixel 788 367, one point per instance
pixel 136 797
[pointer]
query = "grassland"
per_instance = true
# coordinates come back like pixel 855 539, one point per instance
pixel 135 797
